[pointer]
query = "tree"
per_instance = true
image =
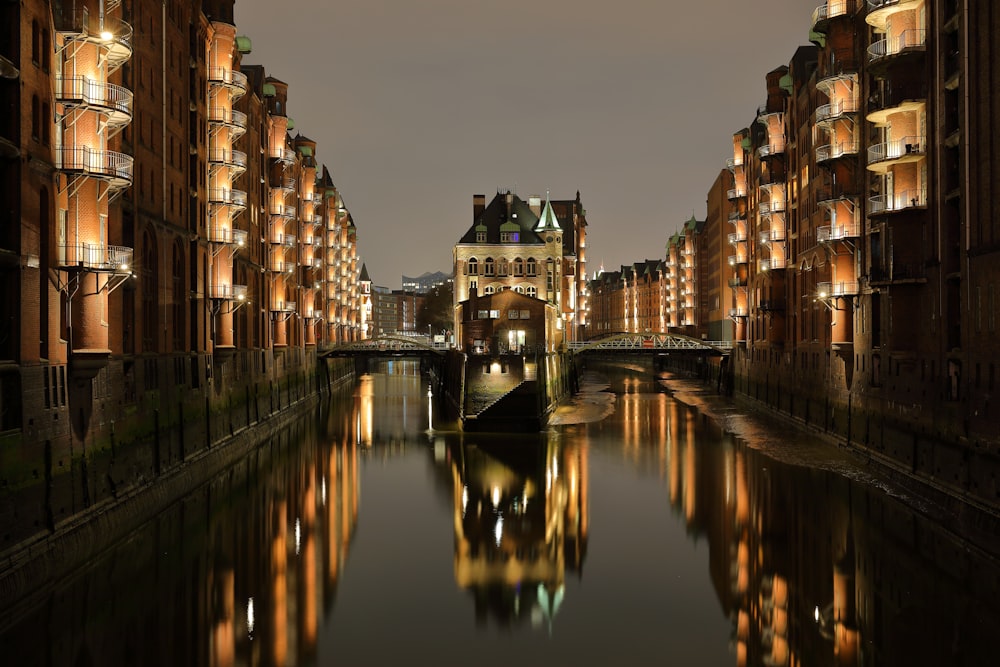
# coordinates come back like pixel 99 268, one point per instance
pixel 437 309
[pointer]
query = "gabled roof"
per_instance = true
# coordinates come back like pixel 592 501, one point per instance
pixel 364 274
pixel 513 216
pixel 548 221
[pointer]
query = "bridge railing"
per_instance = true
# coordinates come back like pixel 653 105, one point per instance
pixel 629 342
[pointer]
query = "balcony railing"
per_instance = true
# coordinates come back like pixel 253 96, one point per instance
pixel 83 91
pixel 772 149
pixel 737 282
pixel 737 237
pixel 228 77
pixel 769 207
pixel 838 289
pixel 898 149
pixel 738 312
pixel 282 154
pixel 117 167
pixel 281 210
pixel 232 158
pixel 913 272
pixel 834 110
pixel 736 216
pixel 830 233
pixel 224 197
pixel 96 257
pixel 832 9
pixel 771 264
pixel 228 292
pixel 736 193
pixel 109 32
pixel 914 39
pixel 734 162
pixel 229 117
pixel 228 236
pixel 834 151
pixel 735 260
pixel 769 235
pixel 771 304
pixel 897 201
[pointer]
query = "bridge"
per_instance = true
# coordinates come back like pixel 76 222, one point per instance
pixel 651 343
pixel 388 345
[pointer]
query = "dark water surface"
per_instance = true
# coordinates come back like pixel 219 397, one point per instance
pixel 635 531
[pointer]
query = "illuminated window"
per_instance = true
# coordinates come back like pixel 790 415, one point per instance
pixel 488 267
pixel 518 267
pixel 532 267
pixel 473 267
pixel 532 292
pixel 510 237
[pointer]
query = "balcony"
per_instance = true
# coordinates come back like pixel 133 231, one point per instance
pixel 287 184
pixel 771 264
pixel 763 113
pixel 736 217
pixel 228 292
pixel 113 35
pixel 898 201
pixel 896 99
pixel 224 197
pixel 114 167
pixel 829 10
pixel 284 307
pixel 281 210
pixel 227 236
pixel 831 233
pixel 734 162
pixel 236 121
pixel 836 290
pixel 111 99
pixel 899 151
pixel 737 237
pixel 738 282
pixel 898 273
pixel 736 193
pixel 771 150
pixel 913 40
pixel 767 208
pixel 235 160
pixel 834 151
pixel 880 10
pixel 772 235
pixel 282 154
pixel 771 305
pixel 736 260
pixel 738 312
pixel 235 80
pixel 95 257
pixel 828 113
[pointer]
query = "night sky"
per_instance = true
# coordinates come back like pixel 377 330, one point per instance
pixel 416 105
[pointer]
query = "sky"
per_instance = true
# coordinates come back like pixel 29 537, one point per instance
pixel 417 105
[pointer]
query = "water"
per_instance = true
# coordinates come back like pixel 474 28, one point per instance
pixel 636 531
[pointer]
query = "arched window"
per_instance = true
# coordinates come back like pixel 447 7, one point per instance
pixel 489 289
pixel 36 43
pixel 503 268
pixel 488 267
pixel 532 292
pixel 36 117
pixel 532 267
pixel 472 268
pixel 519 289
pixel 518 266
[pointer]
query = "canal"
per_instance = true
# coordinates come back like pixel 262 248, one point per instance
pixel 653 523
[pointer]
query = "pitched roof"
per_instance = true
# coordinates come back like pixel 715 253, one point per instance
pixel 499 212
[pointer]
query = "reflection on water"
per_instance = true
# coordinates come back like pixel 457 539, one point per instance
pixel 698 549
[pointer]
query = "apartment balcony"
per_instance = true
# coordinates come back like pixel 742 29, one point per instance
pixel 771 305
pixel 898 201
pixel 228 236
pixel 737 237
pixel 763 113
pixel 737 193
pixel 227 292
pixel 235 120
pixel 836 151
pixel 836 290
pixel 894 100
pixel 771 150
pixel 831 233
pixel 899 151
pixel 828 113
pixel 234 80
pixel 283 266
pixel 112 35
pixel 224 197
pixel 734 162
pixel 110 99
pixel 282 154
pixel 234 159
pixel 288 240
pixel 287 184
pixel 738 312
pixel 736 217
pixel 282 210
pixel 284 307
pixel 110 166
pixel 836 195
pixel 768 236
pixel 912 41
pixel 738 282
pixel 95 257
pixel 770 207
pixel 772 264
pixel 879 11
pixel 736 260
pixel 829 10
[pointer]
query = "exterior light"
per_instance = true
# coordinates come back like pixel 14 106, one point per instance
pixel 123 267
pixel 106 35
pixel 822 295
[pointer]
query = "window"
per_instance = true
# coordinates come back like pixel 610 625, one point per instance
pixel 488 268
pixel 481 237
pixel 489 289
pixel 518 267
pixel 482 315
pixel 36 43
pixel 532 292
pixel 36 117
pixel 532 267
pixel 472 268
pixel 494 314
pixel 46 123
pixel 503 268
pixel 510 237
pixel 473 285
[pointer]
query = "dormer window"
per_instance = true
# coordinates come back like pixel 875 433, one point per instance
pixel 510 237
pixel 480 237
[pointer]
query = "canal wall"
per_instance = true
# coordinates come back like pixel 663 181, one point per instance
pixel 928 447
pixel 128 453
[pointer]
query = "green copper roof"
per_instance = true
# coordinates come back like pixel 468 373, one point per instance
pixel 306 150
pixel 745 143
pixel 548 219
pixel 269 90
pixel 291 123
pixel 817 38
pixel 786 83
pixel 510 226
pixel 243 44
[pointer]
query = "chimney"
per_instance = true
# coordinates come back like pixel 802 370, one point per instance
pixel 535 204
pixel 478 205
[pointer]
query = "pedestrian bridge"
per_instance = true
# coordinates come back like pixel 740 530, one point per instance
pixel 651 342
pixel 387 346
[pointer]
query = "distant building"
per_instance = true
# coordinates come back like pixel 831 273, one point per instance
pixel 385 307
pixel 425 281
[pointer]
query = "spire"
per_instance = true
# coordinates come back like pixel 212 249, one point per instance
pixel 547 221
